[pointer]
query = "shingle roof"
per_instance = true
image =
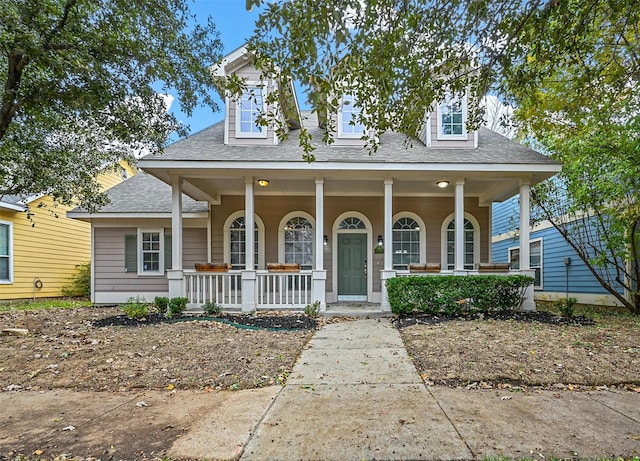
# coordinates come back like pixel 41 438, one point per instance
pixel 208 145
pixel 143 193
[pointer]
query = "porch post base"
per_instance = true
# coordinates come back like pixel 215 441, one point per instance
pixel 529 303
pixel 175 277
pixel 385 275
pixel 460 272
pixel 249 291
pixel 318 288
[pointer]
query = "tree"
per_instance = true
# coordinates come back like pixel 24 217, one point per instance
pixel 570 67
pixel 77 95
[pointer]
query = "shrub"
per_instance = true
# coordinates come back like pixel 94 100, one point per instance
pixel 456 294
pixel 212 308
pixel 176 307
pixel 566 306
pixel 80 283
pixel 312 310
pixel 136 308
pixel 161 303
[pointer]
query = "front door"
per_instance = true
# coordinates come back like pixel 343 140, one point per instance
pixel 352 267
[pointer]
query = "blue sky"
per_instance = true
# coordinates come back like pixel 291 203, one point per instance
pixel 235 25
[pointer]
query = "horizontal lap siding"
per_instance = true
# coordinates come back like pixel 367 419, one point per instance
pixel 109 260
pixel 505 216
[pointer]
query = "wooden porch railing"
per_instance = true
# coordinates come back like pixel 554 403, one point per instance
pixel 224 288
pixel 283 289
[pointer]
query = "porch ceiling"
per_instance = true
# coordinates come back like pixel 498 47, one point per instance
pixel 211 184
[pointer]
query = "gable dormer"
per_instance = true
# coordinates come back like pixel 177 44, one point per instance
pixel 349 131
pixel 244 111
pixel 446 126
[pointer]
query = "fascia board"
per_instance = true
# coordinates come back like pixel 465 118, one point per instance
pixel 134 215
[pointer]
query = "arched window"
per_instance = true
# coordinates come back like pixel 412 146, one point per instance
pixel 406 243
pixel 470 244
pixel 298 242
pixel 352 223
pixel 234 241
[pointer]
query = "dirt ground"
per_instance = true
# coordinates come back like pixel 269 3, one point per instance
pixel 144 378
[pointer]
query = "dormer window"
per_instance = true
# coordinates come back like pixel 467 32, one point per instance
pixel 249 107
pixel 348 125
pixel 452 118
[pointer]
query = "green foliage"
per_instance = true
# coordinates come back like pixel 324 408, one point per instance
pixel 312 310
pixel 161 303
pixel 44 304
pixel 566 306
pixel 80 283
pixel 211 308
pixel 77 88
pixel 176 307
pixel 136 308
pixel 454 295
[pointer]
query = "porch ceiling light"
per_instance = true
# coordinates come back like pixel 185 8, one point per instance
pixel 263 182
pixel 442 184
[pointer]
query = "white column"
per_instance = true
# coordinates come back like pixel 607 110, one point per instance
pixel 525 262
pixel 387 272
pixel 319 275
pixel 459 225
pixel 249 224
pixel 249 274
pixel 174 275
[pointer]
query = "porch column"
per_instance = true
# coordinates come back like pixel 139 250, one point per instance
pixel 459 227
pixel 175 275
pixel 249 273
pixel 319 275
pixel 525 262
pixel 388 271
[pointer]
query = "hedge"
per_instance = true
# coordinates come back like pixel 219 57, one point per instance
pixel 456 294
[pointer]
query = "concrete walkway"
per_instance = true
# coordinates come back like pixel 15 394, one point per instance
pixel 354 394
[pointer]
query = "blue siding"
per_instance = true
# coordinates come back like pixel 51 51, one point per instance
pixel 505 215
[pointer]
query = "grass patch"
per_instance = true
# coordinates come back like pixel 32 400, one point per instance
pixel 589 310
pixel 54 303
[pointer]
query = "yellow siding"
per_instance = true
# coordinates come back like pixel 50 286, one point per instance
pixel 51 249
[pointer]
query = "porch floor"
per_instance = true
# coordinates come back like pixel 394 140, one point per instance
pixel 355 309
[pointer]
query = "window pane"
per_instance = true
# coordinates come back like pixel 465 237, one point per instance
pixel 4 268
pixel 4 240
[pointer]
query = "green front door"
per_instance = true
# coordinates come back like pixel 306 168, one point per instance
pixel 352 267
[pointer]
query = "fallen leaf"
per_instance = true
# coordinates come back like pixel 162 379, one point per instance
pixel 170 387
pixel 38 452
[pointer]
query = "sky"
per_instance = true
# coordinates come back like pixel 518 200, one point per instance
pixel 235 25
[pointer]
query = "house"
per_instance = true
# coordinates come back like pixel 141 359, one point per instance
pixel 40 255
pixel 559 271
pixel 330 231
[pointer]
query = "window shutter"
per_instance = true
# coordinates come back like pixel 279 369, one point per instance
pixel 131 253
pixel 167 252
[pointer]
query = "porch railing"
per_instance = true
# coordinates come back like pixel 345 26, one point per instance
pixel 272 289
pixel 224 288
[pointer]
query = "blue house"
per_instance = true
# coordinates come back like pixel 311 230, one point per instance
pixel 559 271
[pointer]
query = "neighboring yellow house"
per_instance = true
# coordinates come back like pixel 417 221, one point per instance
pixel 39 257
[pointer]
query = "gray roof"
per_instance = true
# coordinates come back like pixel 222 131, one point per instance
pixel 208 145
pixel 144 193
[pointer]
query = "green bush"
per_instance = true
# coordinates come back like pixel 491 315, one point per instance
pixel 136 308
pixel 456 294
pixel 210 308
pixel 176 307
pixel 566 306
pixel 312 310
pixel 161 303
pixel 80 283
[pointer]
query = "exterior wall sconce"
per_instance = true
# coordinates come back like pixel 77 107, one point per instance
pixel 380 241
pixel 325 240
pixel 442 184
pixel 263 182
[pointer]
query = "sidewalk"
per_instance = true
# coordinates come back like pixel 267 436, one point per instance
pixel 355 394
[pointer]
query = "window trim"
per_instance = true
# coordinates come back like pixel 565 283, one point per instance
pixel 262 134
pixel 422 251
pixel 10 280
pixel 476 240
pixel 455 137
pixel 281 234
pixel 341 133
pixel 541 267
pixel 226 242
pixel 140 251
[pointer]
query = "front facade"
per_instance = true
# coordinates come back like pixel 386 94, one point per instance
pixel 41 254
pixel 330 231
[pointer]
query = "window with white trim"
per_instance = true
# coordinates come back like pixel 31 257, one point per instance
pixel 535 260
pixel 348 125
pixel 6 252
pixel 151 251
pixel 452 118
pixel 469 245
pixel 249 107
pixel 237 239
pixel 298 242
pixel 406 243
